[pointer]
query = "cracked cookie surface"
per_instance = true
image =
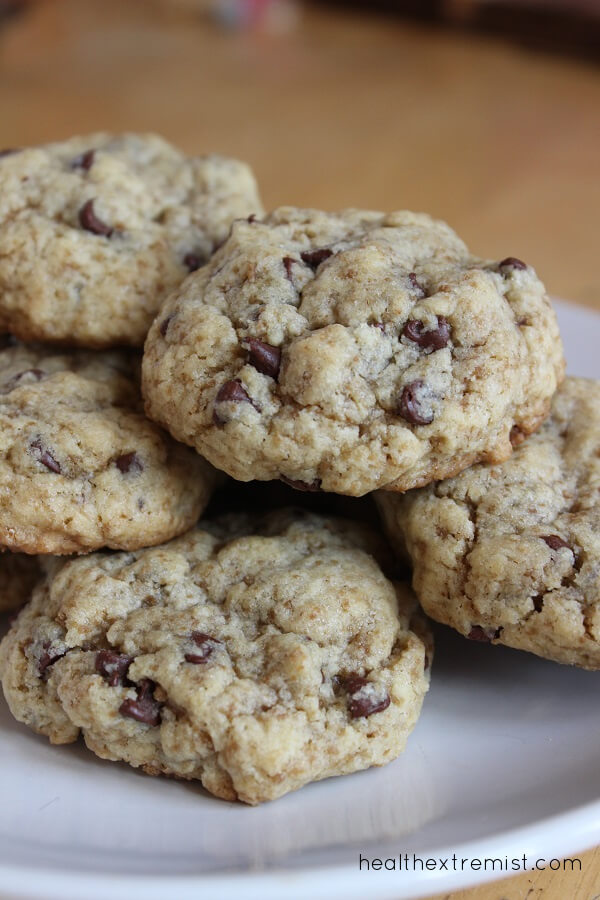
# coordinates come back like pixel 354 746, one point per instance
pixel 254 655
pixel 511 553
pixel 96 231
pixel 352 351
pixel 80 465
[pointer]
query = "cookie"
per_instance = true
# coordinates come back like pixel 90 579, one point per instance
pixel 352 351
pixel 255 656
pixel 80 465
pixel 19 574
pixel 510 554
pixel 96 231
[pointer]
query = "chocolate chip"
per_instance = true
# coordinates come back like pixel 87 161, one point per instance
pixel 164 325
pixel 90 221
pixel 311 486
pixel 288 262
pixel 230 392
pixel 205 644
pixel 555 542
pixel 410 405
pixel 314 258
pixel 485 636
pixel 112 666
pixel 264 357
pixel 378 325
pixel 416 284
pixel 27 374
pixel 251 218
pixel 39 452
pixel 436 339
pixel 9 151
pixel 538 602
pixel 193 261
pixel 362 700
pixel 144 708
pixel 351 683
pixel 511 262
pixel 84 161
pixel 49 656
pixel 129 462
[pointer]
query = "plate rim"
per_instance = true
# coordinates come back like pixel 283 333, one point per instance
pixel 542 837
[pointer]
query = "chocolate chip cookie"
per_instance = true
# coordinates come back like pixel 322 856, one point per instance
pixel 96 231
pixel 253 655
pixel 352 351
pixel 19 574
pixel 510 554
pixel 80 465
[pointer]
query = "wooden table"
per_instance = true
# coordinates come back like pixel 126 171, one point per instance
pixel 501 142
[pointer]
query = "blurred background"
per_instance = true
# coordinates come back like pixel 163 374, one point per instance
pixel 486 114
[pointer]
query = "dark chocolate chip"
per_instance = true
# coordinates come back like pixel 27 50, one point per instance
pixel 112 666
pixel 193 261
pixel 129 462
pixel 351 683
pixel 39 452
pixel 410 406
pixel 49 656
pixel 361 707
pixel 484 635
pixel 538 602
pixel 164 325
pixel 416 284
pixel 205 644
pixel 230 392
pixel 9 151
pixel 264 357
pixel 251 218
pixel 314 258
pixel 511 262
pixel 90 221
pixel 436 339
pixel 555 542
pixel 288 262
pixel 311 486
pixel 144 708
pixel 84 161
pixel 28 374
pixel 378 325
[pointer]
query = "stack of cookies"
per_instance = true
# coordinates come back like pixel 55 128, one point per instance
pixel 349 354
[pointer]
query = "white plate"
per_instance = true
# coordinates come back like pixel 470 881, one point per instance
pixel 505 761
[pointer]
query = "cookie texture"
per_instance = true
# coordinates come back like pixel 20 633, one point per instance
pixel 96 231
pixel 510 553
pixel 352 351
pixel 255 656
pixel 80 465
pixel 19 574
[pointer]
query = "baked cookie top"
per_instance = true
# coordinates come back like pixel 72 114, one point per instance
pixel 511 553
pixel 352 351
pixel 96 231
pixel 80 465
pixel 19 574
pixel 255 656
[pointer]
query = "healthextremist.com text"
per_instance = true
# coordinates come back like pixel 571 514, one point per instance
pixel 405 862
